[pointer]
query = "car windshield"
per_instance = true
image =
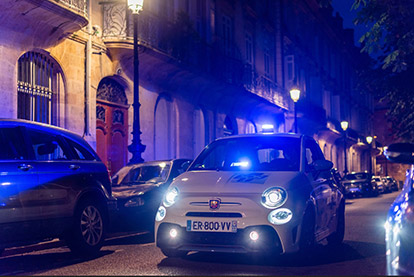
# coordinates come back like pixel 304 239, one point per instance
pixel 356 176
pixel 136 175
pixel 251 154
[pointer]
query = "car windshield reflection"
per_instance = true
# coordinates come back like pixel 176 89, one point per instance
pixel 138 175
pixel 251 154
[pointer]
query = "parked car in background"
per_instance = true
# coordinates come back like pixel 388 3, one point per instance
pixel 380 183
pixel 387 185
pixel 139 189
pixel 259 193
pixel 392 183
pixel 52 185
pixel 399 227
pixel 357 184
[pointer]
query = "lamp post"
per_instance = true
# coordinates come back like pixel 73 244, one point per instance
pixel 369 140
pixel 344 126
pixel 295 95
pixel 136 148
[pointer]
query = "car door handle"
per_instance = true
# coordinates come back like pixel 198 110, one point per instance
pixel 25 167
pixel 74 166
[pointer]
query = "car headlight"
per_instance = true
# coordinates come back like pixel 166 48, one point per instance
pixel 274 197
pixel 170 197
pixel 280 216
pixel 161 213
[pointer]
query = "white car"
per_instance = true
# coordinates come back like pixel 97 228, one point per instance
pixel 252 193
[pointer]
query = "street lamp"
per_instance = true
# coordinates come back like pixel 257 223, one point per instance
pixel 369 140
pixel 136 148
pixel 344 126
pixel 295 94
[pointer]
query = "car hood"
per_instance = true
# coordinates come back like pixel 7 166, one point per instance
pixel 125 191
pixel 230 181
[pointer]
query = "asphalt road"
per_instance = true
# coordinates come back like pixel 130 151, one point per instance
pixel 362 253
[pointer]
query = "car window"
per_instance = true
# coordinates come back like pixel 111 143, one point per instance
pixel 81 152
pixel 356 176
pixel 143 174
pixel 312 151
pixel 12 144
pixel 251 154
pixel 47 147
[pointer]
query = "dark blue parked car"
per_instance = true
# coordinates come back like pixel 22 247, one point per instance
pixel 52 185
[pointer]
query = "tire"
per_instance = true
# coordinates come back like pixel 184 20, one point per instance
pixel 173 253
pixel 87 233
pixel 307 236
pixel 337 237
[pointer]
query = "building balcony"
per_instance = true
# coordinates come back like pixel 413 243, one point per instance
pixel 172 49
pixel 40 23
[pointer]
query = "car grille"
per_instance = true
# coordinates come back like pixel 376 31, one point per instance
pixel 239 241
pixel 211 214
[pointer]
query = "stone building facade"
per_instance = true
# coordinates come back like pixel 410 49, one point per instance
pixel 208 68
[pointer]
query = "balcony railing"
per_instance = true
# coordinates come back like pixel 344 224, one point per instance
pixel 79 6
pixel 221 59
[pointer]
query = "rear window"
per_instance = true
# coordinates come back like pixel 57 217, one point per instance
pixel 356 176
pixel 12 144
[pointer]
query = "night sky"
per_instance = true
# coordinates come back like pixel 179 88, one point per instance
pixel 344 9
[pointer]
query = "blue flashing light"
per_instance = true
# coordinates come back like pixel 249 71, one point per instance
pixel 268 128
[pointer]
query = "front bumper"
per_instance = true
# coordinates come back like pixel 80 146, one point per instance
pixel 238 242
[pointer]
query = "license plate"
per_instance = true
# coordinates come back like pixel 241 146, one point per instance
pixel 354 189
pixel 228 226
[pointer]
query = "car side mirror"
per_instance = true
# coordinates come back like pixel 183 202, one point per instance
pixel 400 153
pixel 322 165
pixel 184 166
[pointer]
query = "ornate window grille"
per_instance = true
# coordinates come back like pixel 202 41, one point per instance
pixel 38 87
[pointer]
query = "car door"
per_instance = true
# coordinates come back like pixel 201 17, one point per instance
pixel 322 189
pixel 18 182
pixel 54 194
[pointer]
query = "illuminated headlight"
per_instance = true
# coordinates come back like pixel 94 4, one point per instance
pixel 280 216
pixel 161 213
pixel 274 197
pixel 173 233
pixel 134 202
pixel 170 197
pixel 254 236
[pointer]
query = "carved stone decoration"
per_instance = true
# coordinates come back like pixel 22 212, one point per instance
pixel 118 117
pixel 110 90
pixel 115 24
pixel 100 113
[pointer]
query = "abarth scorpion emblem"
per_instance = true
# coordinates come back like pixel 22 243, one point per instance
pixel 215 204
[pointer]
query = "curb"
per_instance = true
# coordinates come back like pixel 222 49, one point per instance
pixel 56 243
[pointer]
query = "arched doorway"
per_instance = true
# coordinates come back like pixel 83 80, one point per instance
pixel 199 132
pixel 112 124
pixel 165 119
pixel 229 127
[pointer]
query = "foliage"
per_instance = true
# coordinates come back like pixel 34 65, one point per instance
pixel 390 41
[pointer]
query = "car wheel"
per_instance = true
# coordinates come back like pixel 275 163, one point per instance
pixel 173 253
pixel 307 236
pixel 337 237
pixel 87 234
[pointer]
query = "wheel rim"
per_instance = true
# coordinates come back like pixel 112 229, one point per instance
pixel 91 225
